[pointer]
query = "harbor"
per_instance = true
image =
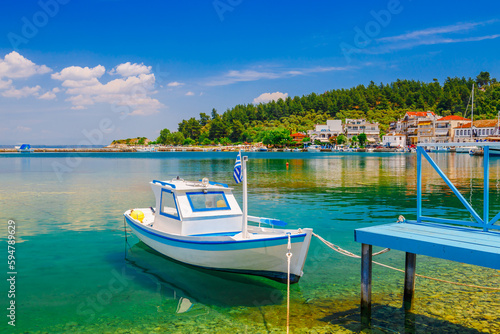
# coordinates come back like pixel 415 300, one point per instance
pixel 334 193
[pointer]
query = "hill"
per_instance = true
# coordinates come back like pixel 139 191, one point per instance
pixel 383 103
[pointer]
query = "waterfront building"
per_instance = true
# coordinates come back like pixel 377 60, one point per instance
pixel 298 137
pixel 478 130
pixel 444 128
pixel 355 127
pixel 418 126
pixel 323 132
pixel 394 140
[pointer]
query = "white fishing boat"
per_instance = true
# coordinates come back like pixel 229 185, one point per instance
pixel 200 223
pixel 25 148
pixel 314 148
pixel 147 149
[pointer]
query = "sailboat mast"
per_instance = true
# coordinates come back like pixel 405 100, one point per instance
pixel 244 223
pixel 472 113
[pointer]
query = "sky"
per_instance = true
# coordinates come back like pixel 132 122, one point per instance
pixel 88 72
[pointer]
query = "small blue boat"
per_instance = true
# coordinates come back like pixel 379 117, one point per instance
pixel 25 148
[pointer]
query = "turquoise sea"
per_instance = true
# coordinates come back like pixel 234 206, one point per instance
pixel 77 273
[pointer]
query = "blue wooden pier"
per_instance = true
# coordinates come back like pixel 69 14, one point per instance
pixel 474 242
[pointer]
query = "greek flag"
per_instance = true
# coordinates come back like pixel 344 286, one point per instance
pixel 237 174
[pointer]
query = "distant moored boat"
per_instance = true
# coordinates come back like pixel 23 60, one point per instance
pixel 25 148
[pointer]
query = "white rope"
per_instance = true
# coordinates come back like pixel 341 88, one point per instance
pixel 347 253
pixel 289 257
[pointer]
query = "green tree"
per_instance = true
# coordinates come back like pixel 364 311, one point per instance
pixel 354 140
pixel 218 129
pixel 188 142
pixel 225 141
pixel 362 139
pixel 237 130
pixel 341 139
pixel 214 113
pixel 162 139
pixel 483 79
pixel 279 136
pixel 204 119
pixel 177 138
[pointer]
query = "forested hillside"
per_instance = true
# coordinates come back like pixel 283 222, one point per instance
pixel 381 103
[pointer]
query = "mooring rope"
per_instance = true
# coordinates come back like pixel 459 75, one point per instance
pixel 347 253
pixel 289 257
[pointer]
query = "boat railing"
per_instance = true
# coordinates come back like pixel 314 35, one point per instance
pixel 483 222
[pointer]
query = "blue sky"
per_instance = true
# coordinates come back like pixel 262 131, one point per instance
pixel 92 71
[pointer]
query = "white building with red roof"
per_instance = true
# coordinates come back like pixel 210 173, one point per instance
pixel 444 128
pixel 478 130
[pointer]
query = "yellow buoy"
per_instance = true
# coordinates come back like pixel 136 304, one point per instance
pixel 137 214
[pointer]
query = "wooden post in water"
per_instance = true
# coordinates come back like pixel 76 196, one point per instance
pixel 410 270
pixel 366 285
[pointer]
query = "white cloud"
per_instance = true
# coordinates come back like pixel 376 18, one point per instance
pixel 266 97
pixel 174 84
pixel 5 84
pixel 15 66
pixel 78 108
pixel 458 27
pixel 23 92
pixel 47 96
pixel 78 73
pixel 23 129
pixel 429 36
pixel 128 69
pixel 189 94
pixel 235 76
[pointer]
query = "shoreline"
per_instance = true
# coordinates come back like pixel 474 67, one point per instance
pixel 174 149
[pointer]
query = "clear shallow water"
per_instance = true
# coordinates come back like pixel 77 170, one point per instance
pixel 74 275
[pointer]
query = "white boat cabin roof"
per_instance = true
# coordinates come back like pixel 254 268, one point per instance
pixel 179 184
pixel 195 207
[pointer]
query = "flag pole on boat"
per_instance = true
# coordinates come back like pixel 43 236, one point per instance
pixel 240 175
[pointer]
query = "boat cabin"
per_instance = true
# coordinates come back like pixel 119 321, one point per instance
pixel 195 208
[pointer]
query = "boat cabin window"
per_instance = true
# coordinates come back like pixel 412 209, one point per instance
pixel 208 201
pixel 168 207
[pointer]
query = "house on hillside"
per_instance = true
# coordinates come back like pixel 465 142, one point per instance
pixel 355 127
pixel 298 137
pixel 323 132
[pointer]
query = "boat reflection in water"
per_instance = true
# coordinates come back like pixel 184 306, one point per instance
pixel 193 285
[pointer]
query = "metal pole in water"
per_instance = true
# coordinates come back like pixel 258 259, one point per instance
pixel 366 285
pixel 245 197
pixel 410 270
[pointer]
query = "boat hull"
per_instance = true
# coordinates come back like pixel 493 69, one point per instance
pixel 257 256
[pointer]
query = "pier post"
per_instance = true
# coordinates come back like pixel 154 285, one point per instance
pixel 410 270
pixel 366 285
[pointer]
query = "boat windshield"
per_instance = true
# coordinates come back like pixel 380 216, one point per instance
pixel 200 201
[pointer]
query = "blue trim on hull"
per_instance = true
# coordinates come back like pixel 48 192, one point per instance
pixel 274 275
pixel 216 245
